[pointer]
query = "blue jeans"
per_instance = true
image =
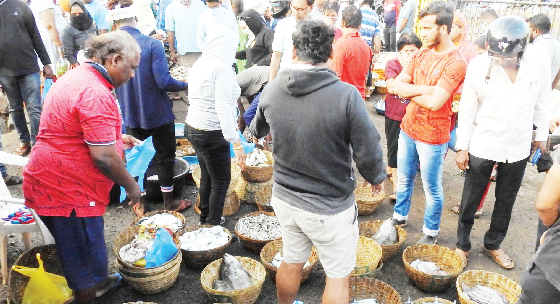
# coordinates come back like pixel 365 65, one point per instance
pixel 452 140
pixel 20 89
pixel 430 157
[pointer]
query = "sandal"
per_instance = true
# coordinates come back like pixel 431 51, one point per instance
pixel 11 180
pixel 456 209
pixel 464 255
pixel 24 149
pixel 500 257
pixel 183 204
pixel 393 197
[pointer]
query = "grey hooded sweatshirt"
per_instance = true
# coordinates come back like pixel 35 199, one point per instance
pixel 318 124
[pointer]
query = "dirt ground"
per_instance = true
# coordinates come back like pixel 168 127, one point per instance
pixel 519 243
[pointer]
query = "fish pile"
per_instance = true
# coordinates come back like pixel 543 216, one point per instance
pixel 184 148
pixel 180 73
pixel 428 267
pixel 204 239
pixel 387 234
pixel 277 260
pixel 257 158
pixel 162 220
pixel 232 275
pixel 484 295
pixel 261 227
pixel 365 301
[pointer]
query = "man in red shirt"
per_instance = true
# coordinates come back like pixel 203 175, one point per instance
pixel 429 81
pixel 78 158
pixel 352 55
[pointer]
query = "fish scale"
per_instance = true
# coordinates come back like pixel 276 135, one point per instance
pixel 484 295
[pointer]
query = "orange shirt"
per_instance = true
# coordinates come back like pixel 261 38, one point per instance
pixel 446 71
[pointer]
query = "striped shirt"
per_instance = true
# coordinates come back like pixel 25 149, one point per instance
pixel 370 25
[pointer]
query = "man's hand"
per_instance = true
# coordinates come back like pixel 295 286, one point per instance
pixel 375 189
pixel 174 56
pixel 136 201
pixel 130 141
pixel 462 160
pixel 390 85
pixel 554 123
pixel 48 72
pixel 539 144
pixel 239 157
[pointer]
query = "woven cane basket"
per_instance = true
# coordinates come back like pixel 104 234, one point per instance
pixel 235 174
pixel 381 90
pixel 501 283
pixel 369 228
pixel 17 282
pixel 371 288
pixel 368 256
pixel 250 244
pixel 272 248
pixel 156 283
pixel 447 259
pixel 431 300
pixel 259 174
pixel 231 204
pixel 241 190
pixel 247 295
pixel 199 259
pixel 367 203
pixel 176 214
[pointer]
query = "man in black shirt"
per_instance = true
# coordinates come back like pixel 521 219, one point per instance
pixel 20 44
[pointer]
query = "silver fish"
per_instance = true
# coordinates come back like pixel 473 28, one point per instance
pixel 261 227
pixel 232 275
pixel 365 301
pixel 428 267
pixel 387 233
pixel 484 295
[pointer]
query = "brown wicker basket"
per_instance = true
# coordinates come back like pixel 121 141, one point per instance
pixel 259 174
pixel 272 248
pixel 368 256
pixel 381 90
pixel 124 238
pixel 369 228
pixel 184 148
pixel 241 189
pixel 501 283
pixel 447 259
pixel 367 203
pixel 199 259
pixel 235 174
pixel 265 207
pixel 231 204
pixel 431 300
pixel 176 214
pixel 367 287
pixel 17 282
pixel 247 295
pixel 155 283
pixel 252 245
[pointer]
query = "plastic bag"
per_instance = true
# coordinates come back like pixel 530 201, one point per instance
pixel 47 87
pixel 41 281
pixel 62 66
pixel 137 160
pixel 162 251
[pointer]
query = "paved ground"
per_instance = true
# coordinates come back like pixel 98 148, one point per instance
pixel 519 243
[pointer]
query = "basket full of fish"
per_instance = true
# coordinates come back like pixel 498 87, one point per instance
pixel 236 280
pixel 203 244
pixel 258 166
pixel 172 220
pixel 485 287
pixel 368 290
pixel 368 257
pixel 256 229
pixel 432 268
pixel 389 236
pixel 271 258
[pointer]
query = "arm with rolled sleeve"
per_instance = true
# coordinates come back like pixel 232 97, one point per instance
pixel 33 32
pixel 223 96
pixel 542 106
pixel 468 107
pixel 161 70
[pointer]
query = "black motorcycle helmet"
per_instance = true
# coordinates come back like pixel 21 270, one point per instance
pixel 279 8
pixel 507 37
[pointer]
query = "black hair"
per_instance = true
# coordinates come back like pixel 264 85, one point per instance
pixel 313 41
pixel 368 2
pixel 239 4
pixel 489 13
pixel 481 42
pixel 331 6
pixel 541 22
pixel 351 17
pixel 408 38
pixel 310 2
pixel 442 11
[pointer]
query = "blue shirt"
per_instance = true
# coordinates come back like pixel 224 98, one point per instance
pixel 143 99
pixel 183 20
pixel 99 14
pixel 409 12
pixel 370 25
pixel 160 20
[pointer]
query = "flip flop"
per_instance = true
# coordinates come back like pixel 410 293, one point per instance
pixel 101 292
pixel 23 149
pixel 500 257
pixel 464 255
pixel 456 209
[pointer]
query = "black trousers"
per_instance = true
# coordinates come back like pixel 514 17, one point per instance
pixel 536 288
pixel 213 153
pixel 390 35
pixel 392 129
pixel 510 176
pixel 165 145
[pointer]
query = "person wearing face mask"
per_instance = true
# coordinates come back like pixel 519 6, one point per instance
pixel 76 33
pixel 506 92
pixel 216 14
pixel 259 44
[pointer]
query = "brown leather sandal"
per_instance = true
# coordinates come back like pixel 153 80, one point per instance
pixel 500 257
pixel 464 255
pixel 23 149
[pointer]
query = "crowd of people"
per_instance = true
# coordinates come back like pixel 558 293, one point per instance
pixel 305 67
